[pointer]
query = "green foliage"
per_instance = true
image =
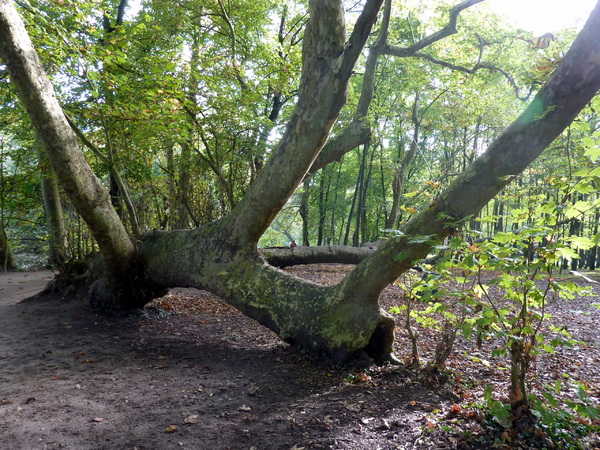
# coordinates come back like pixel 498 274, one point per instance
pixel 499 288
pixel 515 300
pixel 191 75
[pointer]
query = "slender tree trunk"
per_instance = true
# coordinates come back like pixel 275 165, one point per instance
pixel 55 221
pixel 184 186
pixel 360 197
pixel 336 237
pixel 400 177
pixel 324 190
pixel 499 214
pixel 304 198
pixel 365 190
pixel 352 207
pixel 392 219
pixel 7 260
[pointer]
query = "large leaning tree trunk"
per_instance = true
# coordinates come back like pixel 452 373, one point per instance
pixel 342 320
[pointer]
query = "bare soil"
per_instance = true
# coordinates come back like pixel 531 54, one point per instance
pixel 192 372
pixel 17 286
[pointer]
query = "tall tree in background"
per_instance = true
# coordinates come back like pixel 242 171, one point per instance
pixel 222 257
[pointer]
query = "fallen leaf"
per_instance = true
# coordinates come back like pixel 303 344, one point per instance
pixel 30 400
pixel 98 419
pixel 355 407
pixel 455 409
pixel 191 419
pixel 171 429
pixel 469 415
pixel 6 401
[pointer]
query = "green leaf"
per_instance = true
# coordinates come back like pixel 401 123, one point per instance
pixel 422 239
pixel 504 238
pixel 548 349
pixel 580 242
pixel 397 309
pixel 567 253
pixel 593 151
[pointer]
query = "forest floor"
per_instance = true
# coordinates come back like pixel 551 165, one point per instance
pixel 192 372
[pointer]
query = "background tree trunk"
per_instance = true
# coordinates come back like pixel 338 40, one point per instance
pixel 55 221
pixel 7 260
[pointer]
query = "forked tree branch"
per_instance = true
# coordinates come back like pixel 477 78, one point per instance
pixel 358 132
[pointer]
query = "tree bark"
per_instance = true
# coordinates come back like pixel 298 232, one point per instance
pixel 303 210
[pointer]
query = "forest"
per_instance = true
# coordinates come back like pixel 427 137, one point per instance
pixel 427 147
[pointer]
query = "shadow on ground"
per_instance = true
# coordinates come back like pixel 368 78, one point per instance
pixel 72 378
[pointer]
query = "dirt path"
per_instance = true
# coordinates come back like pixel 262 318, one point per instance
pixel 16 286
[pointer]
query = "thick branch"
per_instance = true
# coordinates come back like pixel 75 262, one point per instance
pixel 339 254
pixel 448 30
pixel 357 133
pixel 328 61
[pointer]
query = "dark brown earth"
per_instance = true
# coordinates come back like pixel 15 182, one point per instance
pixel 192 372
